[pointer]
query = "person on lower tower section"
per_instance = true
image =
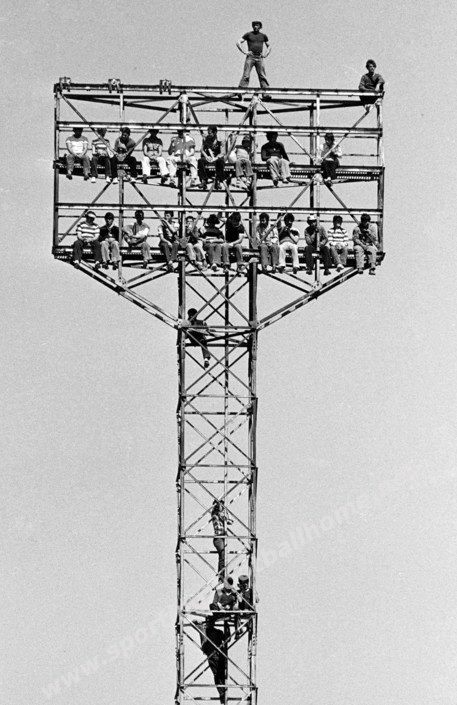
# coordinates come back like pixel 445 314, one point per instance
pixel 212 238
pixel 213 643
pixel 199 335
pixel 87 233
pixel 234 234
pixel 338 241
pixel 181 152
pixel 109 239
pixel 152 154
pixel 254 56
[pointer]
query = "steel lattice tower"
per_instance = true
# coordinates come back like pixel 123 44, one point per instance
pixel 217 405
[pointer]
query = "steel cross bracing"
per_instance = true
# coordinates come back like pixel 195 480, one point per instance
pixel 217 404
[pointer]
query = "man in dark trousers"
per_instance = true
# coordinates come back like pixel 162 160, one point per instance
pixel 316 239
pixel 254 56
pixel 276 157
pixel 214 647
pixel 198 336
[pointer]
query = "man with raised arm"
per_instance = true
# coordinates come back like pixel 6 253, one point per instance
pixel 255 41
pixel 370 81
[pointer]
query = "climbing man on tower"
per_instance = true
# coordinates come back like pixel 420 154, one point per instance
pixel 254 56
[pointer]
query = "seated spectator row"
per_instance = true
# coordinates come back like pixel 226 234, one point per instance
pixel 215 155
pixel 213 242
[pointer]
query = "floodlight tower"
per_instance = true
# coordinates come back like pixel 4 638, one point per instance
pixel 217 397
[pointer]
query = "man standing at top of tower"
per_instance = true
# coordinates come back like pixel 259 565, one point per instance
pixel 254 56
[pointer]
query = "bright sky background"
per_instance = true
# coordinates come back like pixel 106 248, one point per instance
pixel 357 391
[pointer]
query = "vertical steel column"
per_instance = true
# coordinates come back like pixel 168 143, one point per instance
pixel 181 350
pixel 56 167
pixel 253 340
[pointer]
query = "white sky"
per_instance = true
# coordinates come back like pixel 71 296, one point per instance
pixel 357 391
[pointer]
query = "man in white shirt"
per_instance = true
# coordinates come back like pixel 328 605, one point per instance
pixel 182 151
pixel 78 146
pixel 338 241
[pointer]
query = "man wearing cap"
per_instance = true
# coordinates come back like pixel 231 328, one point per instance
pixel 87 233
pixel 136 235
pixel 152 154
pixel 338 241
pixel 288 242
pixel 254 56
pixel 275 155
pixel 316 240
pixel 123 154
pixel 365 238
pixel 109 239
pixel 78 146
pixel 370 81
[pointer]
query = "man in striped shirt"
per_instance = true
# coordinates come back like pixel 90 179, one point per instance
pixel 101 153
pixel 338 241
pixel 78 146
pixel 87 233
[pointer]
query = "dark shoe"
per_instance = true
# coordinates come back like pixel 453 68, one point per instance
pixel 164 179
pixel 97 266
pixel 144 179
pixel 105 265
pixel 309 271
pixel 281 269
pixel 237 96
pixel 76 263
pixel 115 265
pixel 326 272
pixel 373 271
pixel 206 363
pixel 69 175
pixel 170 267
pixel 86 177
pixel 204 185
pixel 360 271
pixel 266 96
pixel 275 182
pixel 145 265
pixel 295 270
